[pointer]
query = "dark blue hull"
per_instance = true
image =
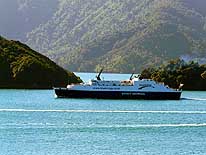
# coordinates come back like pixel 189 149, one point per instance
pixel 66 93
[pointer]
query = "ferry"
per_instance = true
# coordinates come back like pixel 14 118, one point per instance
pixel 133 88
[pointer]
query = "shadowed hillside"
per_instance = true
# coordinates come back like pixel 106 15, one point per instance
pixel 22 67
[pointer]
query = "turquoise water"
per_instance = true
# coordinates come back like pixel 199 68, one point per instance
pixel 34 122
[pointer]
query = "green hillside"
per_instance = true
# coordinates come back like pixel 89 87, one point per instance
pixel 176 72
pixel 121 35
pixel 22 67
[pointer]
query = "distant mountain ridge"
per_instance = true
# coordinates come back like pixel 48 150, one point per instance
pixel 19 17
pixel 121 35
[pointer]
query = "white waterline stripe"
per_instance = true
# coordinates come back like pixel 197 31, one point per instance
pixel 101 126
pixel 171 125
pixel 103 111
pixel 148 126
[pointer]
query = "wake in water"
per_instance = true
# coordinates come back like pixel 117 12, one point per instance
pixel 155 125
pixel 194 99
pixel 115 126
pixel 103 111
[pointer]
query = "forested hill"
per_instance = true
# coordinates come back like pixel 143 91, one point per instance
pixel 176 72
pixel 121 35
pixel 22 67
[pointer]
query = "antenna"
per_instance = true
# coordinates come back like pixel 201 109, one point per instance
pixel 98 76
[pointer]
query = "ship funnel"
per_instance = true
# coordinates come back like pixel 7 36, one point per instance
pixel 180 86
pixel 98 76
pixel 131 76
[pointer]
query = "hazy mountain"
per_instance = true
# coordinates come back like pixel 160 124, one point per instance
pixel 18 17
pixel 121 35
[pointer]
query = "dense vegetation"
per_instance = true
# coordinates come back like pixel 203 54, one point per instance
pixel 22 67
pixel 177 72
pixel 121 35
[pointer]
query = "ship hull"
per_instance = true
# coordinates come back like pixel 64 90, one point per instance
pixel 67 93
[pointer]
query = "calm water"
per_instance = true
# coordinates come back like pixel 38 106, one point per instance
pixel 33 122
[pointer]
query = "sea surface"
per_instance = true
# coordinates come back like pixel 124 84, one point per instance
pixel 34 122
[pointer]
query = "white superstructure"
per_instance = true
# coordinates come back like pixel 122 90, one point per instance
pixel 133 84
